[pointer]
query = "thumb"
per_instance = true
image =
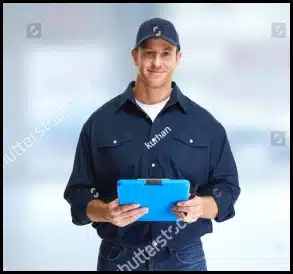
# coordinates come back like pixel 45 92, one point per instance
pixel 114 203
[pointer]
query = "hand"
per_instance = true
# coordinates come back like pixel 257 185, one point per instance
pixel 114 213
pixel 198 207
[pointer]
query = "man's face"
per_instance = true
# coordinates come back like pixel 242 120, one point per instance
pixel 156 60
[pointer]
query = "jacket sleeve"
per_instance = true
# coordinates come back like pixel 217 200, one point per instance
pixel 223 184
pixel 80 189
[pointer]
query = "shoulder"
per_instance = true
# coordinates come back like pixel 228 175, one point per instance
pixel 204 118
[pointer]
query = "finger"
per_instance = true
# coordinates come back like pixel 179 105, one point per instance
pixel 131 213
pixel 124 208
pixel 191 211
pixel 116 203
pixel 193 201
pixel 180 215
pixel 185 203
pixel 185 218
pixel 131 219
pixel 184 208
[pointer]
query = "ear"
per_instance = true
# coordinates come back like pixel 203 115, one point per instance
pixel 134 54
pixel 178 58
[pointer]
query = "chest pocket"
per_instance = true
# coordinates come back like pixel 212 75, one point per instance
pixel 190 156
pixel 118 156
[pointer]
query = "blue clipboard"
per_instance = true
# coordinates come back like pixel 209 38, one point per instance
pixel 159 195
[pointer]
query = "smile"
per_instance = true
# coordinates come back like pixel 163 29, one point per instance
pixel 155 72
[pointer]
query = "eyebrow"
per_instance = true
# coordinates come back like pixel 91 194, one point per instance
pixel 167 48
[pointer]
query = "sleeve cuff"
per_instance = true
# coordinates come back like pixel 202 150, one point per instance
pixel 225 202
pixel 225 197
pixel 78 209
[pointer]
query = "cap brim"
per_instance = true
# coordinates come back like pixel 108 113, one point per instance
pixel 157 36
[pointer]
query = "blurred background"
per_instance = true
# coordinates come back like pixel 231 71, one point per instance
pixel 63 61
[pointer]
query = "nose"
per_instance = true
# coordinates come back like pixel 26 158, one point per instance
pixel 157 61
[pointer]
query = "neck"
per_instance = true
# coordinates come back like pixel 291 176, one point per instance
pixel 148 95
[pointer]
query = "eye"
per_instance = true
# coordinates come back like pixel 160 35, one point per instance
pixel 166 53
pixel 149 53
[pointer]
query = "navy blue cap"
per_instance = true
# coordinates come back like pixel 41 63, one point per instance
pixel 157 27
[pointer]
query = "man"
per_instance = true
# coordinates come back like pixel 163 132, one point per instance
pixel 152 130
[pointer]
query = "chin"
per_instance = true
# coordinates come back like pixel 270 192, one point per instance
pixel 155 83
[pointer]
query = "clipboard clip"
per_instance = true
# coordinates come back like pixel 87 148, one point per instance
pixel 153 182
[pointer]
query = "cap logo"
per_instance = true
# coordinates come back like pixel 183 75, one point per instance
pixel 157 31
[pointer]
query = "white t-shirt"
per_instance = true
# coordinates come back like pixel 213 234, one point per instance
pixel 152 110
